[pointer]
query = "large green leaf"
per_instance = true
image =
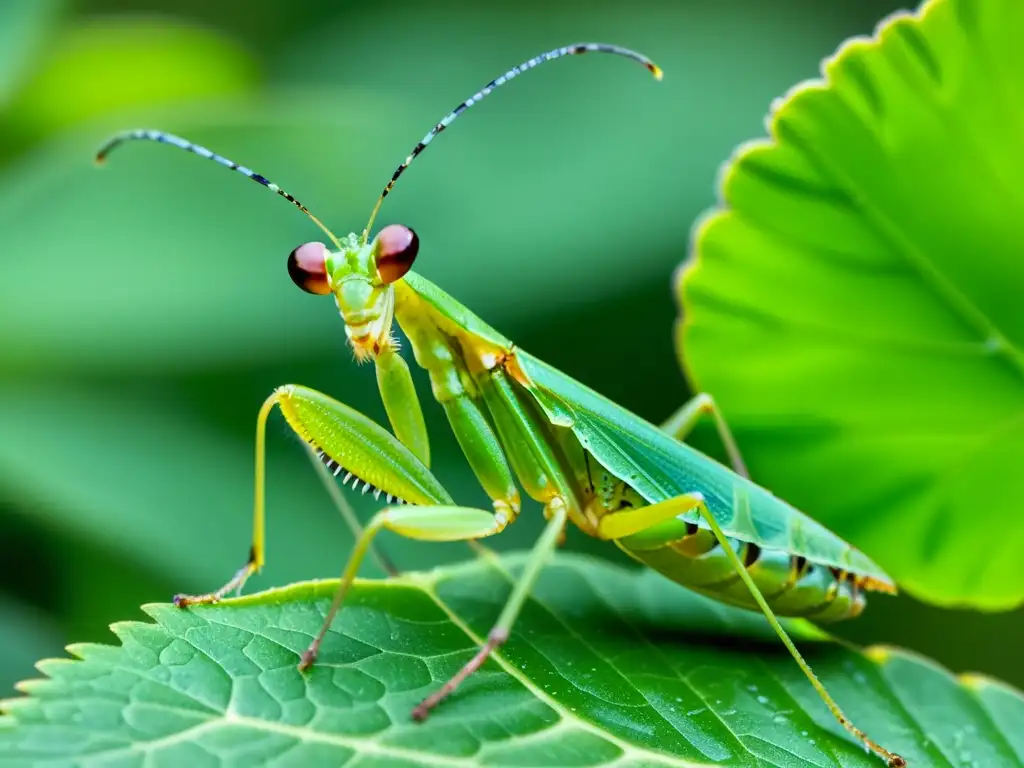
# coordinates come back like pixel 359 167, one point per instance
pixel 606 667
pixel 855 304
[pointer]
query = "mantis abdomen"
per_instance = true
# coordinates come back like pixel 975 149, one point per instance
pixel 691 555
pixel 792 585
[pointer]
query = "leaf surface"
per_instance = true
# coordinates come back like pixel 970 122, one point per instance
pixel 854 303
pixel 605 667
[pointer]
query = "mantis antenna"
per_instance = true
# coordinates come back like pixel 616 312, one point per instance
pixel 557 53
pixel 188 146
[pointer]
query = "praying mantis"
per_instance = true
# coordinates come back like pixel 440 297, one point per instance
pixel 587 460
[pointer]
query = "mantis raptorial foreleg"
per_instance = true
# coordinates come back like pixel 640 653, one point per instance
pixel 347 513
pixel 682 422
pixel 401 403
pixel 352 447
pixel 620 525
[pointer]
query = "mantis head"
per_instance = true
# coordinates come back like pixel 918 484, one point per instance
pixel 361 276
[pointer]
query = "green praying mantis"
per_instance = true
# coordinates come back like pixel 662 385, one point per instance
pixel 588 461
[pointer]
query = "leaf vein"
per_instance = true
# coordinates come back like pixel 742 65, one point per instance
pixel 541 695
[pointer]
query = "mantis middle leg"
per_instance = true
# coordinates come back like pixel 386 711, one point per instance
pixel 448 523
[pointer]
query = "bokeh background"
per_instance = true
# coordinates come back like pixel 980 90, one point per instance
pixel 145 311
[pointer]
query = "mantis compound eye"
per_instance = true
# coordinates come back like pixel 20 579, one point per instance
pixel 395 252
pixel 307 266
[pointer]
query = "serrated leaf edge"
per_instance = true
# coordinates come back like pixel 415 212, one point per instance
pixel 425 581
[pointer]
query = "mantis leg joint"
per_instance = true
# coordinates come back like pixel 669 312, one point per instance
pixel 235 584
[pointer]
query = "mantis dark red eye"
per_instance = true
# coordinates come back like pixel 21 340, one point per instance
pixel 396 250
pixel 307 266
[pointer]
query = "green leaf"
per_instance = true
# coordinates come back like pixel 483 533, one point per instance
pixel 605 667
pixel 854 305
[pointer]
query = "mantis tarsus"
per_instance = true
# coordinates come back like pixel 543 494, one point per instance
pixel 587 460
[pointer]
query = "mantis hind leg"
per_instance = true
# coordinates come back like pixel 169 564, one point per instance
pixel 618 525
pixel 682 422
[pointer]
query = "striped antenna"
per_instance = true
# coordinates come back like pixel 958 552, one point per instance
pixel 557 53
pixel 188 146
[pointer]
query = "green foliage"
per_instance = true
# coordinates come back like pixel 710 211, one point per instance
pixel 606 667
pixel 854 306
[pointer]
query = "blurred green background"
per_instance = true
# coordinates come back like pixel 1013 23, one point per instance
pixel 145 311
